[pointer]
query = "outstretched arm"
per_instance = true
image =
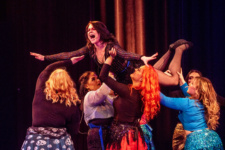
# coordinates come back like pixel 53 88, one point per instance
pixel 61 56
pixel 117 87
pixel 132 56
pixel 44 75
pixel 38 56
pixel 173 103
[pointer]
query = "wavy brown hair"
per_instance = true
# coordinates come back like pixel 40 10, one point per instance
pixel 83 82
pixel 61 88
pixel 105 35
pixel 150 90
pixel 208 97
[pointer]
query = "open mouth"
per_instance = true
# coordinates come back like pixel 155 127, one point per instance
pixel 92 36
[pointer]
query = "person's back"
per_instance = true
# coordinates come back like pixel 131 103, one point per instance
pixel 55 115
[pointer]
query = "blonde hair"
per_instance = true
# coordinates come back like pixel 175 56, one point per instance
pixel 207 96
pixel 60 87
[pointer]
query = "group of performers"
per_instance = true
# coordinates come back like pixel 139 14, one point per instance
pixel 118 100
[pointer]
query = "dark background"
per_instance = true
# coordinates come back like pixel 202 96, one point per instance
pixel 48 27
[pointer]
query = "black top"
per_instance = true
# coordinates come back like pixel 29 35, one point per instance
pixel 119 66
pixel 128 105
pixel 48 114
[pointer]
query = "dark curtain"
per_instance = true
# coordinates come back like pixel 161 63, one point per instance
pixel 49 27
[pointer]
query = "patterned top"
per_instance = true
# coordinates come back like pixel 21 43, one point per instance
pixel 119 63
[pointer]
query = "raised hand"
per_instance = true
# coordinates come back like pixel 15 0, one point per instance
pixel 112 53
pixel 146 59
pixel 111 74
pixel 181 77
pixel 38 56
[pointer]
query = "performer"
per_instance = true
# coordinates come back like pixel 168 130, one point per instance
pixel 199 115
pixel 55 114
pixel 142 96
pixel 100 41
pixel 98 109
pixel 192 74
pixel 179 136
pixel 169 80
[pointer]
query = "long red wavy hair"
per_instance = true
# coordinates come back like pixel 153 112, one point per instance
pixel 149 90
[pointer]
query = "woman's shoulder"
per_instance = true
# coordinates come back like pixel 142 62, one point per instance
pixel 194 103
pixel 112 44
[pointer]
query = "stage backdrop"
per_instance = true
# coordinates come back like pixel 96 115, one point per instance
pixel 143 26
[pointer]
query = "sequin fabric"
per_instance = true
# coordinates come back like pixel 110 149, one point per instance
pixel 203 140
pixel 147 132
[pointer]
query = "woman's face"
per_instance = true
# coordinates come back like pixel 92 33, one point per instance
pixel 93 35
pixel 192 89
pixel 93 82
pixel 137 75
pixel 192 76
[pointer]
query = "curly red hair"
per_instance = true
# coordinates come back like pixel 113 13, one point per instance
pixel 150 90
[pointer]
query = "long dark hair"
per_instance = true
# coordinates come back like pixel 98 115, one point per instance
pixel 83 90
pixel 83 81
pixel 105 35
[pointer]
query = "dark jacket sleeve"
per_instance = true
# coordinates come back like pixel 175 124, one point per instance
pixel 67 55
pixel 126 55
pixel 117 87
pixel 44 75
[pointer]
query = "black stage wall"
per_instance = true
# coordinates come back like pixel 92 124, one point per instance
pixel 49 27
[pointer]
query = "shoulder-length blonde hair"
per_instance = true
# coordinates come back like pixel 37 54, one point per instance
pixel 60 87
pixel 207 96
